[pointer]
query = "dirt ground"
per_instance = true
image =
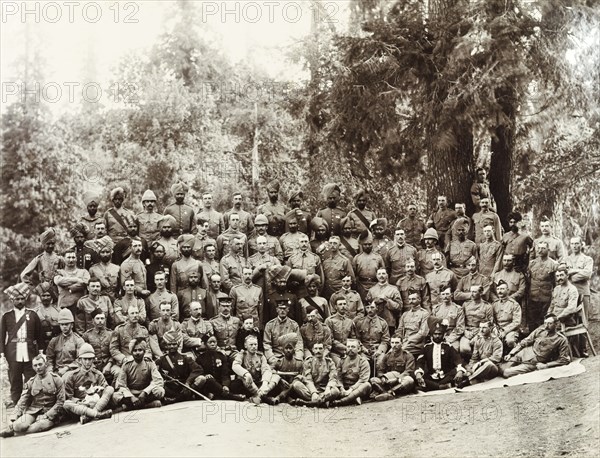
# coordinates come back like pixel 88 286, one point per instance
pixel 555 418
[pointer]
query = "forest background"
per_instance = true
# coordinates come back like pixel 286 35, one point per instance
pixel 405 98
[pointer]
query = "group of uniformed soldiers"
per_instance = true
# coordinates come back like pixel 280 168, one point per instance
pixel 284 306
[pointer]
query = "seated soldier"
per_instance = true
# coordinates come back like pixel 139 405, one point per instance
pixel 541 349
pixel 159 326
pixel 226 327
pixel 216 370
pixel 249 327
pixel 124 334
pixel 194 328
pixel 342 329
pixel 315 331
pixel 395 375
pixel 41 403
pixel 288 368
pixel 453 314
pixel 413 326
pixel 353 373
pixel 178 370
pixel 373 333
pixel 487 355
pixel 319 381
pixel 476 310
pixel 507 316
pixel 139 384
pixel 251 368
pixel 276 328
pixel 87 394
pixel 439 367
pixel 62 350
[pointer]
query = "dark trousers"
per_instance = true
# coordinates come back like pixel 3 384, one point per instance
pixel 16 372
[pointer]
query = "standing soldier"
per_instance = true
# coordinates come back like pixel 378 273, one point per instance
pixel 48 314
pixel 481 190
pixel 304 259
pixel 20 338
pixel 149 219
pixel 116 216
pixel 232 264
pixel 214 218
pixel 424 256
pixel 397 254
pixel 556 249
pixel 261 224
pixel 486 217
pixel 274 210
pixel 360 215
pixel 517 244
pixel 105 271
pixel 489 252
pixel 246 219
pixel 193 293
pixel 541 277
pixel 44 266
pixel 167 240
pixel 71 282
pixel 225 326
pixel 460 210
pixel 366 264
pixel 302 217
pixel 41 402
pixel 161 295
pixel 413 226
pixel 580 268
pixel 332 214
pixel 127 302
pixel 202 239
pixel 460 249
pixel 227 237
pixel 91 201
pixel 86 256
pixel 381 242
pixel 89 303
pixel 185 219
pixel 442 219
pixel 181 269
pixel 290 241
pixel 134 268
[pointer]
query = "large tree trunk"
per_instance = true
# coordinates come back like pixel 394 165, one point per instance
pixel 501 166
pixel 449 170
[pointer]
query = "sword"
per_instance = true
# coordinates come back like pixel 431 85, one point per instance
pixel 185 385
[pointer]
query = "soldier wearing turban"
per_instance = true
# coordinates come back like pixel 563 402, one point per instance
pixel 91 201
pixel 274 210
pixel 185 218
pixel 43 267
pixel 167 240
pixel 360 216
pixel 116 217
pixel 332 214
pixel 302 217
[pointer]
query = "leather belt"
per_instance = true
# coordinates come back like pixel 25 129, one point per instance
pixel 19 340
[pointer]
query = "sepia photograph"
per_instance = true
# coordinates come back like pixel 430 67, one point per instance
pixel 300 228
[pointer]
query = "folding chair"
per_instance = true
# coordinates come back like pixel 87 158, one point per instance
pixel 580 328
